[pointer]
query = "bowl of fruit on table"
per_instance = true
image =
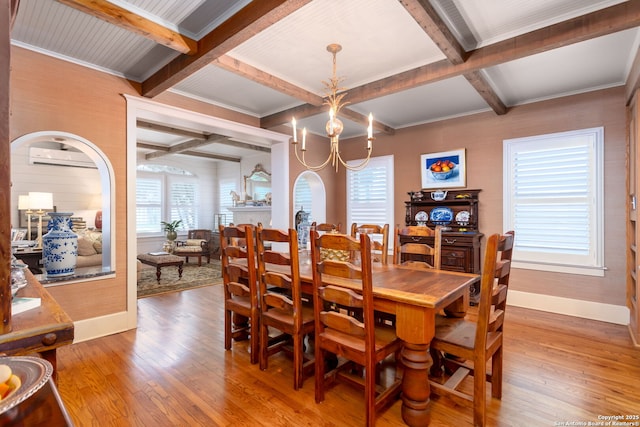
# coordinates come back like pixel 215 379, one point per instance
pixel 442 169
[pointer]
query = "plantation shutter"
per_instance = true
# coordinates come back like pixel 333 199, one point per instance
pixel 148 205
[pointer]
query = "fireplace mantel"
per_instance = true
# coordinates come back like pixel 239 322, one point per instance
pixel 252 215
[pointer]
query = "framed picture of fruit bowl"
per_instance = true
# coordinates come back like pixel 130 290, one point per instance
pixel 446 169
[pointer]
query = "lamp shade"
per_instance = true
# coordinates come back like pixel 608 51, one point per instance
pixel 23 202
pixel 40 201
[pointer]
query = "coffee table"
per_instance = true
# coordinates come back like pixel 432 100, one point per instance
pixel 159 261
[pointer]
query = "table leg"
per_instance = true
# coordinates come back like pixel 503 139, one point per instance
pixel 158 273
pixel 180 271
pixel 50 356
pixel 416 409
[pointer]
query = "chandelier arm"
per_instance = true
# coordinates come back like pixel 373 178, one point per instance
pixel 359 166
pixel 304 163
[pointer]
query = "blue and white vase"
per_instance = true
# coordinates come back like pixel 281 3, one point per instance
pixel 60 246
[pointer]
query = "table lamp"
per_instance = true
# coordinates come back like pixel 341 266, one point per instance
pixel 40 202
pixel 24 205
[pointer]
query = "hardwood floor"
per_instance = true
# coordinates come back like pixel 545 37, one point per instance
pixel 173 371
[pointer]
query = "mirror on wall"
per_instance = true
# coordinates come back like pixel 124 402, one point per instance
pixel 78 178
pixel 257 186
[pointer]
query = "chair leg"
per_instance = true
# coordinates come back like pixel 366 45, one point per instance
pixel 254 339
pixel 496 374
pixel 264 346
pixel 479 393
pixel 298 360
pixel 227 329
pixel 437 366
pixel 319 373
pixel 370 394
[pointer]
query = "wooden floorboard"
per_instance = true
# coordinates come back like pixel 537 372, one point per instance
pixel 173 371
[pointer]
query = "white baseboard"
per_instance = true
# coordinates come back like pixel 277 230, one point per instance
pixel 97 327
pixel 617 314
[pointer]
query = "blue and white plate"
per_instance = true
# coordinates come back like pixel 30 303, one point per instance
pixel 441 215
pixel 422 216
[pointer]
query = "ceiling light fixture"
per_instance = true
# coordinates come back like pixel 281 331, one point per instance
pixel 334 126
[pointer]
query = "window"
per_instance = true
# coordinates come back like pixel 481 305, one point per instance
pixel 553 192
pixel 148 205
pixel 370 193
pixel 165 194
pixel 302 197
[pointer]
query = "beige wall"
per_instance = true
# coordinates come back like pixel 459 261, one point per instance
pixel 49 94
pixel 482 135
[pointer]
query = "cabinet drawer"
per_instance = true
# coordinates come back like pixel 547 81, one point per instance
pixel 455 259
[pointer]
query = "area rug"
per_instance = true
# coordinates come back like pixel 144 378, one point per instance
pixel 192 277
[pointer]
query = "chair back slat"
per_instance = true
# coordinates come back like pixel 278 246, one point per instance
pixel 379 239
pixel 341 296
pixel 278 301
pixel 417 253
pixel 326 227
pixel 342 322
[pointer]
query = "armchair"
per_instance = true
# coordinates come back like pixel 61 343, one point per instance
pixel 198 244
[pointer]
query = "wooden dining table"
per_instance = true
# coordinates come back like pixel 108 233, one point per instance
pixel 414 296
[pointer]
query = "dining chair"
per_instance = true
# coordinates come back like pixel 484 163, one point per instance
pixel 501 286
pixel 470 343
pixel 379 239
pixel 411 249
pixel 241 312
pixel 345 325
pixel 281 305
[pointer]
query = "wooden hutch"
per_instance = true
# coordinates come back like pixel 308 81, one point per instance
pixel 458 214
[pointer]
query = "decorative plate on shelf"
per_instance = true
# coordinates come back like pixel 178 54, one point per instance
pixel 462 217
pixel 422 216
pixel 441 215
pixel 33 372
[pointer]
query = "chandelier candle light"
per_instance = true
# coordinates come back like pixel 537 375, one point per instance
pixel 334 126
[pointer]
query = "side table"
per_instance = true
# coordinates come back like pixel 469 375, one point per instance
pixel 32 257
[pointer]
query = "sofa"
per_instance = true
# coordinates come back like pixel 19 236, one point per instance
pixel 89 248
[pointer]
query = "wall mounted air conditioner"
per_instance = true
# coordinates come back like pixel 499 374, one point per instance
pixel 46 156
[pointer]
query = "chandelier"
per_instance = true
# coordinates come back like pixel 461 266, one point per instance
pixel 334 126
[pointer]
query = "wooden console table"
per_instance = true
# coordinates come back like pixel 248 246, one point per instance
pixel 39 330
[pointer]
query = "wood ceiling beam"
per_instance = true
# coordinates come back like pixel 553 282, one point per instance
pixel 249 21
pixel 245 70
pixel 141 124
pixel 137 24
pixel 161 150
pixel 429 20
pixel 245 145
pixel 606 21
pixel 187 145
pixel 354 116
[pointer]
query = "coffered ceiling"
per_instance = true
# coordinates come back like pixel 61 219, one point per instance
pixel 408 62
